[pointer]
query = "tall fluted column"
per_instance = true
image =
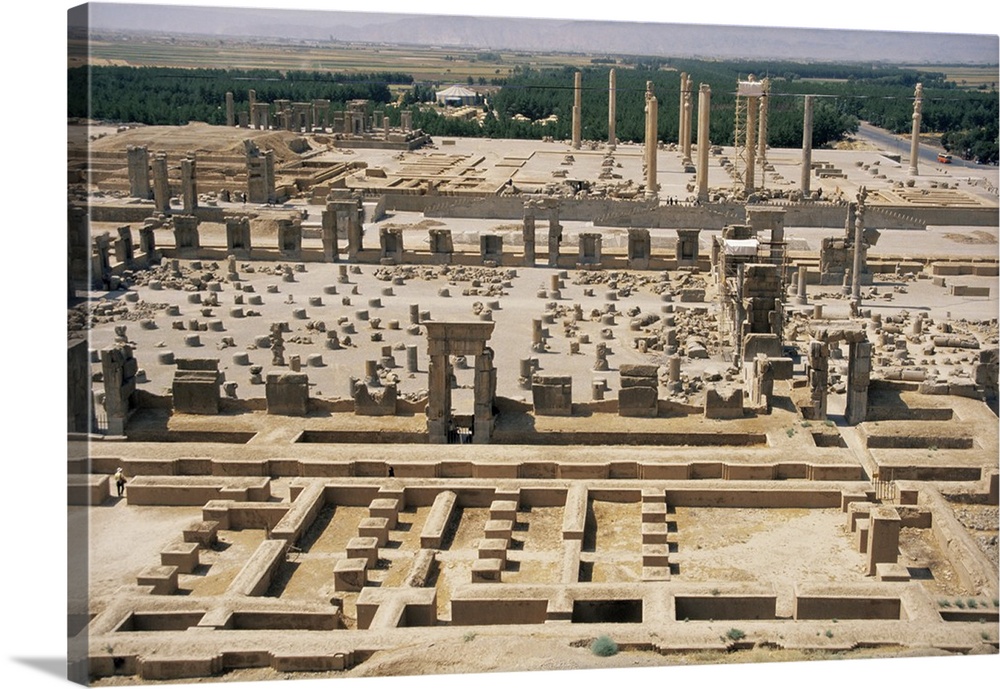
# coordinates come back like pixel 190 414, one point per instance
pixel 680 112
pixel 612 137
pixel 688 105
pixel 577 97
pixel 762 122
pixel 704 108
pixel 918 104
pixel 859 238
pixel 807 144
pixel 651 135
pixel 751 143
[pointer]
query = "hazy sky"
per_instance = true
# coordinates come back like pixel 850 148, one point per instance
pixel 906 42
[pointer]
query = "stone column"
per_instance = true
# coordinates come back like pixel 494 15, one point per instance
pixel 238 236
pixel 290 238
pixel 753 105
pixel 688 107
pixel 147 243
pixel 577 98
pixel 161 183
pixel 704 139
pixel 484 393
pixel 651 135
pixel 819 354
pixel 762 121
pixel 230 110
pixel 687 247
pixel 612 116
pixel 189 186
pixel 918 105
pixel 801 298
pixel 807 145
pixel 589 250
pixel 329 231
pixel 355 237
pixel 859 247
pixel 638 248
pixel 186 235
pixel 119 368
pixel 124 252
pixel 674 384
pixel 555 233
pixel 859 368
pixel 680 113
pixel 439 393
pixel 138 172
pixel 528 233
pixel 883 536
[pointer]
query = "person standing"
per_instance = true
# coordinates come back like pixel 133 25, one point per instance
pixel 120 481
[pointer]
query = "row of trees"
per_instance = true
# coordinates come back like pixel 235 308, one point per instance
pixel 162 96
pixel 845 94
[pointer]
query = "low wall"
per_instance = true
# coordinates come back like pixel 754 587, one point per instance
pixel 194 490
pixel 255 577
pixel 301 515
pixel 707 216
pixel 819 607
pixel 725 607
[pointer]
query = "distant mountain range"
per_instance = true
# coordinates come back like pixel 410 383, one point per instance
pixel 555 35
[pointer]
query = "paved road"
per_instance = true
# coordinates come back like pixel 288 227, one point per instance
pixel 895 143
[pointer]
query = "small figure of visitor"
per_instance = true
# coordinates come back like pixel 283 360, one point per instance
pixel 120 481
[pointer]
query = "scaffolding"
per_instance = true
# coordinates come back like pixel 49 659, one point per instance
pixel 733 253
pixel 749 95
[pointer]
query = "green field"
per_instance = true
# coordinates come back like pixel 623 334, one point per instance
pixel 965 76
pixel 425 64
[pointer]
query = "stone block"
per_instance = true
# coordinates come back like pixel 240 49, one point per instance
pixel 638 401
pixel 386 508
pixel 204 533
pixel 162 578
pixel 350 574
pixel 653 534
pixel 891 571
pixel 782 367
pixel 375 527
pixel 183 556
pixel 486 571
pixel 552 395
pixel 364 548
pixel 499 529
pixel 656 573
pixel 639 370
pixel 723 403
pixel 503 509
pixel 655 555
pixel 654 512
pixel 493 549
pixel 287 394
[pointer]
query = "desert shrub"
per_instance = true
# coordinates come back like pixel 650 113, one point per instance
pixel 603 646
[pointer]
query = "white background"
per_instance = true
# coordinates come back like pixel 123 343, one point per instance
pixel 32 161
